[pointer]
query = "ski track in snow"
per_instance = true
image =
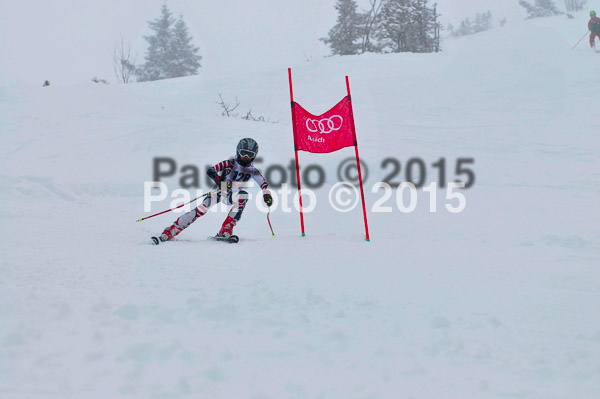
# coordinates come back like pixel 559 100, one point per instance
pixel 500 301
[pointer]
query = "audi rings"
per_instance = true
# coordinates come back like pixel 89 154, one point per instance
pixel 325 125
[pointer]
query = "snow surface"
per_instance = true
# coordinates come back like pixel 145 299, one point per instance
pixel 499 301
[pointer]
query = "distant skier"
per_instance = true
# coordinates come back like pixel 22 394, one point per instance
pixel 594 27
pixel 232 173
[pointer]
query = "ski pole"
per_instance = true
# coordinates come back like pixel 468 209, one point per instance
pixel 577 44
pixel 169 210
pixel 269 220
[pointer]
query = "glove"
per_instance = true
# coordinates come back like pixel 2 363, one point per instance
pixel 268 199
pixel 219 180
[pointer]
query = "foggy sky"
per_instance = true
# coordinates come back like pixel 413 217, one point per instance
pixel 70 41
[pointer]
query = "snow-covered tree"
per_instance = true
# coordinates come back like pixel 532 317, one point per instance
pixel 369 21
pixel 481 23
pixel 408 26
pixel 388 26
pixel 170 52
pixel 344 37
pixel 159 48
pixel 465 28
pixel 541 8
pixel 186 60
pixel 575 5
pixel 394 28
pixel 437 28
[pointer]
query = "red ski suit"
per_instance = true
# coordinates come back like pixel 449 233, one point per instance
pixel 594 34
pixel 230 171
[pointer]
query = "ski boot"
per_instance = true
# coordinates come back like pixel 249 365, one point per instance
pixel 161 238
pixel 226 232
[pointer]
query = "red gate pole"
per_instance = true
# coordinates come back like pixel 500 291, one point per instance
pixel 296 151
pixel 362 192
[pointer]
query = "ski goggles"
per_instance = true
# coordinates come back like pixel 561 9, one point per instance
pixel 247 154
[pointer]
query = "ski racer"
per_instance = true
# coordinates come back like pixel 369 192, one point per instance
pixel 594 28
pixel 231 174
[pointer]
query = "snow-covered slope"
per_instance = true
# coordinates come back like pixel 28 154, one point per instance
pixel 497 301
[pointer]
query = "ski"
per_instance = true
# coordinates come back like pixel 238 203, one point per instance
pixel 231 239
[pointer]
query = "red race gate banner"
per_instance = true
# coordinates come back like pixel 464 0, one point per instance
pixel 328 132
pixel 324 133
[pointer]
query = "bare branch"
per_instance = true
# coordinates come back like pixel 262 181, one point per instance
pixel 371 18
pixel 123 62
pixel 227 108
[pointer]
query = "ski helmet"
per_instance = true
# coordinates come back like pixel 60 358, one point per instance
pixel 592 13
pixel 246 151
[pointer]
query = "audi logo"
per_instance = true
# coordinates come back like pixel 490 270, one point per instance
pixel 326 125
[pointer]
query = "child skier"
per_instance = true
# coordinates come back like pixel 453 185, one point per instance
pixel 594 27
pixel 236 171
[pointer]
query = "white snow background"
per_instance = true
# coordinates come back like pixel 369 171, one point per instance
pixel 499 301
